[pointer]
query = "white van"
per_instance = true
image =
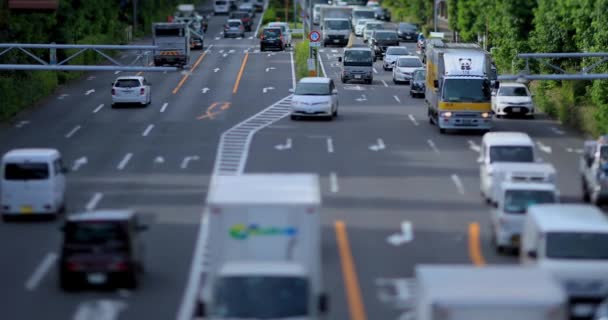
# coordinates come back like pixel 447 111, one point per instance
pixel 32 182
pixel 499 147
pixel 570 241
pixel 221 6
pixel 509 212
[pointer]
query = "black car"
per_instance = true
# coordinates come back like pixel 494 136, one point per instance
pixel 101 248
pixel 408 32
pixel 245 17
pixel 271 38
pixel 381 40
pixel 418 83
pixel 382 14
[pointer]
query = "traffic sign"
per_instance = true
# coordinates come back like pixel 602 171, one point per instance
pixel 314 36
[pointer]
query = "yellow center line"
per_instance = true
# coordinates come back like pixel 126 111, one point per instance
pixel 208 114
pixel 141 72
pixel 475 246
pixel 351 283
pixel 238 78
pixel 187 75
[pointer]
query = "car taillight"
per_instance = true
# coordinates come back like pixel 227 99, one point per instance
pixel 74 266
pixel 113 92
pixel 142 91
pixel 281 37
pixel 240 27
pixel 119 266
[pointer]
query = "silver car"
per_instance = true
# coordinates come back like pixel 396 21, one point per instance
pixel 234 28
pixel 392 54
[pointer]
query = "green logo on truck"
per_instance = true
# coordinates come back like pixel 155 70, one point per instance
pixel 242 231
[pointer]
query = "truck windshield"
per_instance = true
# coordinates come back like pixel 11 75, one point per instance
pixel 466 90
pixel 337 24
pixel 518 201
pixel 575 245
pixel 173 32
pixel 261 298
pixel 511 154
pixel 358 58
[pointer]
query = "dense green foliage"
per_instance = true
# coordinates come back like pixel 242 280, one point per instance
pixel 301 55
pixel 519 26
pixel 75 22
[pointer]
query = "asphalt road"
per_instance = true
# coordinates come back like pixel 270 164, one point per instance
pixel 157 160
pixel 385 172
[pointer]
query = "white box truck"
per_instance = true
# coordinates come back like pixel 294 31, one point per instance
pixel 264 248
pixel 460 292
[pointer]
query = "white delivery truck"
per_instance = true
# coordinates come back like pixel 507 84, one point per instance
pixel 530 172
pixel 459 292
pixel 264 248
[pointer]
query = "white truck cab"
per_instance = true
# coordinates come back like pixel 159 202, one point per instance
pixel 570 241
pixel 497 147
pixel 509 211
pixel 32 182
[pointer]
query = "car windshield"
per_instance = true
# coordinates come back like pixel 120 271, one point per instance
pixel 511 154
pixel 386 36
pixel 513 92
pixel 234 24
pixel 26 171
pixel 419 76
pixel 518 201
pixel 397 51
pixel 221 3
pixel 575 245
pixel 272 33
pixel 127 83
pixel 96 232
pixel 357 56
pixel 337 24
pixel 373 26
pixel 260 298
pixel 409 63
pixel 239 15
pixel 467 90
pixel 407 27
pixel 312 89
pixel 361 22
pixel 364 14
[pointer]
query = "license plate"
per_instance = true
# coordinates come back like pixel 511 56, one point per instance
pixel 582 310
pixel 466 121
pixel 96 278
pixel 358 76
pixel 408 37
pixel 515 109
pixel 27 209
pixel 336 40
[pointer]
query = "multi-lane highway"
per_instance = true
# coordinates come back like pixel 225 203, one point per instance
pixel 396 192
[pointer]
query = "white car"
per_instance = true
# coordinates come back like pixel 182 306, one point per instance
pixel 315 97
pixel 392 54
pixel 369 28
pixel 285 30
pixel 131 89
pixel 405 67
pixel 513 99
pixel 248 7
pixel 360 25
pixel 372 4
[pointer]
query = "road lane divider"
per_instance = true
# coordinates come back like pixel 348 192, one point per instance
pixel 334 187
pixel 456 179
pixel 92 204
pixel 475 245
pixel 432 145
pixel 473 146
pixel 397 99
pixel 413 119
pixel 330 145
pixel 147 131
pixel 98 108
pixel 240 74
pixel 164 107
pixel 72 132
pixel 349 274
pixel 293 71
pixel 100 309
pixel 187 75
pixel 384 83
pixel 123 163
pixel 43 268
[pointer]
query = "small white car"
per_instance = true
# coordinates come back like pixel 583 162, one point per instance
pixel 369 28
pixel 285 31
pixel 248 7
pixel 315 97
pixel 405 67
pixel 513 99
pixel 131 89
pixel 391 56
pixel 360 25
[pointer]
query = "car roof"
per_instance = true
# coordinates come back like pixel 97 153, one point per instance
pixel 512 84
pixel 109 215
pixel 336 19
pixel 130 78
pixel 511 185
pixel 385 31
pixel 568 217
pixel 506 138
pixel 235 20
pixel 357 49
pixel 276 23
pixel 261 268
pixel 408 58
pixel 31 153
pixel 315 80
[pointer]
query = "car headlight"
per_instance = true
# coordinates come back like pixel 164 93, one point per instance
pixel 447 114
pixel 486 115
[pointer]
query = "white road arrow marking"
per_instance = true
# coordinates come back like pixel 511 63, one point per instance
pixel 458 183
pixel 572 150
pixel 205 90
pixel 221 51
pixel 91 78
pixel 187 160
pixel 265 90
pixel 100 310
pixel 159 160
pixel 79 163
pixel 405 235
pixel 21 123
pixel 231 51
pixel 62 96
pixel 270 68
pixel 543 148
pixel 558 131
pixel 225 55
pixel 363 98
pixel 285 146
pixel 333 182
pixel 89 92
pixel 216 69
pixel 473 146
pixel 379 146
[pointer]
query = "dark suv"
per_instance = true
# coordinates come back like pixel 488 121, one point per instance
pixel 245 18
pixel 381 40
pixel 101 248
pixel 271 38
pixel 408 32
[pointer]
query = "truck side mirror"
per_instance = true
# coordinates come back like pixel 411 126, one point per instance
pixel 436 83
pixel 339 59
pixel 532 254
pixel 323 303
pixel 496 84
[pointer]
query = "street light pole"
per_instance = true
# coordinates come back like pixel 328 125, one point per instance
pixel 134 16
pixel 435 13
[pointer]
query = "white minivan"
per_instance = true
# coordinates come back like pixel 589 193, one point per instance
pixel 570 241
pixel 497 147
pixel 221 6
pixel 32 182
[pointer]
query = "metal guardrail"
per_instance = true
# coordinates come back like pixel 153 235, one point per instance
pixel 582 74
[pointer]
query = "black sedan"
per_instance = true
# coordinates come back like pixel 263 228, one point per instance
pixel 418 84
pixel 408 32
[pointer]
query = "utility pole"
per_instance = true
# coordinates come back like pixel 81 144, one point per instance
pixel 287 10
pixel 295 17
pixel 134 16
pixel 435 13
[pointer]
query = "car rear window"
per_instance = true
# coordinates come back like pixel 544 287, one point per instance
pixel 26 171
pixel 96 232
pixel 127 83
pixel 234 24
pixel 221 3
pixel 409 63
pixel 240 15
pixel 272 33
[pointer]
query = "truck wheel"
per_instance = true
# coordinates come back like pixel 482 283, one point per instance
pixel 442 130
pixel 586 197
